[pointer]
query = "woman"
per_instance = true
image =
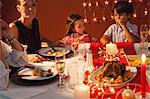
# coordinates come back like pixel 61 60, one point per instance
pixel 26 28
pixel 13 56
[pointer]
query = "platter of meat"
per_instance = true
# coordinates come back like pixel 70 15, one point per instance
pixel 114 73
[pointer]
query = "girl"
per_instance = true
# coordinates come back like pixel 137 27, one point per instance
pixel 75 24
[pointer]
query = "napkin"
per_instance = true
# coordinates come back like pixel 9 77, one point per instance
pixel 128 47
pixel 84 46
pixel 22 92
pixel 4 76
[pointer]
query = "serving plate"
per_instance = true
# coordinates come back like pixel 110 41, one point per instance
pixel 131 68
pixel 135 60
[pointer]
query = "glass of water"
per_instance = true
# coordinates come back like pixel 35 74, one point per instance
pixel 144 36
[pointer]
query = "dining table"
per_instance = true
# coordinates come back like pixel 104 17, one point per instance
pixel 50 91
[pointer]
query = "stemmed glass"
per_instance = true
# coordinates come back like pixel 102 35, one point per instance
pixel 75 43
pixel 60 67
pixel 144 37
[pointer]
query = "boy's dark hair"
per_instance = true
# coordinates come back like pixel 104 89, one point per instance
pixel 70 23
pixel 18 2
pixel 123 7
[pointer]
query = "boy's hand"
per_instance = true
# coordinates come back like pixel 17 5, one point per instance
pixel 121 22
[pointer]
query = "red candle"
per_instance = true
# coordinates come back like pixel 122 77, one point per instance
pixel 143 74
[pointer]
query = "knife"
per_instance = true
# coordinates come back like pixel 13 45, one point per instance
pixel 22 75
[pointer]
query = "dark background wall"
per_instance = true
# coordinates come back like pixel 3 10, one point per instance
pixel 53 13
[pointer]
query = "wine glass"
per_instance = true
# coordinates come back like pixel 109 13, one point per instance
pixel 75 42
pixel 144 36
pixel 60 67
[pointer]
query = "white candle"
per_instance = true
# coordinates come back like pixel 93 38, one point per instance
pixel 81 92
pixel 111 49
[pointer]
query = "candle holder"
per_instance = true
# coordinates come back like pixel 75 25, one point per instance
pixel 136 90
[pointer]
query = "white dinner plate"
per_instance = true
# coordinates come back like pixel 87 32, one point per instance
pixel 28 71
pixel 43 51
pixel 133 71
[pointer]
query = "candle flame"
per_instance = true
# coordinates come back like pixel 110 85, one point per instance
pixel 143 58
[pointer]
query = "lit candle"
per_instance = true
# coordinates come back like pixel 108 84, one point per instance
pixel 111 49
pixel 81 92
pixel 143 74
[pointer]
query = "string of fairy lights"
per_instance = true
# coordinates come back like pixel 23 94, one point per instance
pixel 98 11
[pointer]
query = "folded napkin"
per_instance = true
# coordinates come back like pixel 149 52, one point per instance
pixel 84 46
pixel 95 47
pixel 128 47
pixel 22 92
pixel 4 76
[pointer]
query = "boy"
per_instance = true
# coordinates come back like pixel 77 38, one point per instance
pixel 123 30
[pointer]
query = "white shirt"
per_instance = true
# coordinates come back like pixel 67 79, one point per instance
pixel 116 34
pixel 15 58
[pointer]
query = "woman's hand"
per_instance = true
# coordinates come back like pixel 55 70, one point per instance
pixel 6 33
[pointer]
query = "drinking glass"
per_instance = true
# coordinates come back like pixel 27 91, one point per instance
pixel 82 50
pixel 60 67
pixel 144 36
pixel 75 73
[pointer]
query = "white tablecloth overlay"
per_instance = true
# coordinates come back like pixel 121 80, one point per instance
pixel 47 91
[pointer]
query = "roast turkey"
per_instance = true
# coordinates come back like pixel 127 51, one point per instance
pixel 113 69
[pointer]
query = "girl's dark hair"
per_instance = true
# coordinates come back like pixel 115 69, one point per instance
pixel 18 2
pixel 70 23
pixel 123 7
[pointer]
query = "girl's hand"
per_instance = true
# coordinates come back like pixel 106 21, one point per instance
pixel 60 43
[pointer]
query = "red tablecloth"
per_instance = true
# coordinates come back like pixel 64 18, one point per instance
pixel 129 50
